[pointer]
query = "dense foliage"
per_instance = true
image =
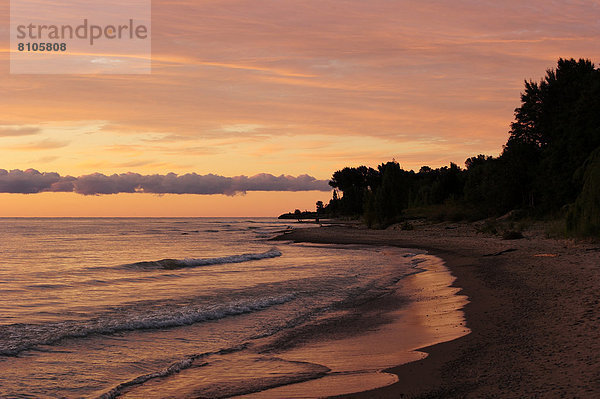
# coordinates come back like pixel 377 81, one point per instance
pixel 550 163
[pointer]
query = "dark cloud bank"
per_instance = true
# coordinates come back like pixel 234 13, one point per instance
pixel 31 181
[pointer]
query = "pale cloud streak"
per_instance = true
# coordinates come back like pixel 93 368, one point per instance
pixel 46 144
pixel 15 131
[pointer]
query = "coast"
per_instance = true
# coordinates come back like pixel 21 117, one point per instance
pixel 533 313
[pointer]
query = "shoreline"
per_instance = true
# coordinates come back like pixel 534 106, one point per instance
pixel 367 336
pixel 530 334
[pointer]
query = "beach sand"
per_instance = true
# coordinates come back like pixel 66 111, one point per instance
pixel 533 312
pixel 359 339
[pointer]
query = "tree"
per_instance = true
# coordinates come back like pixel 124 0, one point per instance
pixel 319 210
pixel 319 206
pixel 555 129
pixel 390 197
pixel 354 183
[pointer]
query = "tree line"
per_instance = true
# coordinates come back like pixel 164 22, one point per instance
pixel 549 166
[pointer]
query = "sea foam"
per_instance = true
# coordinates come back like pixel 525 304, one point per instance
pixel 16 338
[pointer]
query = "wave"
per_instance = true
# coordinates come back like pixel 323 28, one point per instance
pixel 172 369
pixel 168 371
pixel 170 264
pixel 16 338
pixel 303 371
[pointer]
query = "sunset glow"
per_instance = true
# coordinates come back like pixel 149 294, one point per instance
pixel 285 88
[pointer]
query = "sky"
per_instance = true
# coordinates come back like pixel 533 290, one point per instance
pixel 290 91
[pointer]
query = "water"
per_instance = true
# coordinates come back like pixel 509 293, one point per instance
pixel 169 307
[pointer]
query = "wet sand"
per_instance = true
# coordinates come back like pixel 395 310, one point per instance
pixel 359 340
pixel 533 312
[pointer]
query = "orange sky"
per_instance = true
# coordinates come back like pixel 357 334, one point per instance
pixel 285 87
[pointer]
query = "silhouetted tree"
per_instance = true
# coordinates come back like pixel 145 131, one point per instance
pixel 555 129
pixel 354 183
pixel 319 205
pixel 390 197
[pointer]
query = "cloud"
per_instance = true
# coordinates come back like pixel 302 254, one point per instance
pixel 31 181
pixel 47 159
pixel 46 144
pixel 12 131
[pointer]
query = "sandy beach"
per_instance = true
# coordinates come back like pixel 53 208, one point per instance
pixel 533 313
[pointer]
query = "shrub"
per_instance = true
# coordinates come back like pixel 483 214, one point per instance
pixel 583 217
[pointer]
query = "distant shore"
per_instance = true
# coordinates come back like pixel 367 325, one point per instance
pixel 533 313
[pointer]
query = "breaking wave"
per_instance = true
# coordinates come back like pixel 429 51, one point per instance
pixel 16 338
pixel 170 264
